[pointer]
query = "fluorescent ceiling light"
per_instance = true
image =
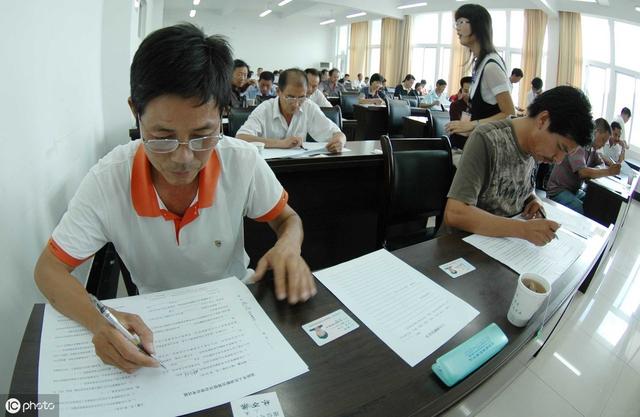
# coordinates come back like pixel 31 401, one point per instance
pixel 326 22
pixel 266 12
pixel 351 16
pixel 409 6
pixel 196 2
pixel 283 2
pixel 192 13
pixel 637 8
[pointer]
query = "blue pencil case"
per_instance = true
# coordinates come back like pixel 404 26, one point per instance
pixel 465 358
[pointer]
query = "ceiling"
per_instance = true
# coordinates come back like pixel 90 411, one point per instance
pixel 338 9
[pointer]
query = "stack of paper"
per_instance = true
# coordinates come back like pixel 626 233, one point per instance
pixel 410 313
pixel 215 339
pixel 310 149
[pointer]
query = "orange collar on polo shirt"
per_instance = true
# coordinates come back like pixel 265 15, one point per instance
pixel 145 199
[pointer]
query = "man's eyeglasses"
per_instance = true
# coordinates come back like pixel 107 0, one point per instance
pixel 293 100
pixel 169 145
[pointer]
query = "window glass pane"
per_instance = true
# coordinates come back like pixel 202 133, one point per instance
pixel 595 39
pixel 595 86
pixel 343 39
pixel 499 22
pixel 376 32
pixel 516 28
pixel 429 67
pixel 625 92
pixel 417 60
pixel 446 28
pixel 626 39
pixel 443 71
pixel 633 129
pixel 425 29
pixel 545 53
pixel 374 62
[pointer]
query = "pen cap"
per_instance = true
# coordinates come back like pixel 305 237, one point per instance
pixel 465 358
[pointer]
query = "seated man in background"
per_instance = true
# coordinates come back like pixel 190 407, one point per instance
pixel 313 94
pixel 623 119
pixel 565 183
pixel 285 122
pixel 358 83
pixel 461 108
pixel 331 87
pixel 264 90
pixel 536 90
pixel 164 199
pixel 493 180
pixel 404 88
pixel 436 98
pixel 240 82
pixel 374 92
pixel 613 150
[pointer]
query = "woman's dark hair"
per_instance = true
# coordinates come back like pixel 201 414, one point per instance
pixel 409 77
pixel 569 113
pixel 181 60
pixel 376 77
pixel 481 27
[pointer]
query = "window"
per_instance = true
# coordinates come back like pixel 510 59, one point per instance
pixel 431 53
pixel 626 37
pixel 628 95
pixel 375 38
pixel 595 87
pixel 596 43
pixel 342 48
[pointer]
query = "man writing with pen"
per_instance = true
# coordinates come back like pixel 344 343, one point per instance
pixel 494 179
pixel 565 182
pixel 284 122
pixel 173 203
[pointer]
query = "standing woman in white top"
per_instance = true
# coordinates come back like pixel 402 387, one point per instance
pixel 490 93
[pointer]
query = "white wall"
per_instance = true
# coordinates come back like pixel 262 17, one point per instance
pixel 64 85
pixel 270 42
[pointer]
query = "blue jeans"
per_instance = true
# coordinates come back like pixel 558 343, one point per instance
pixel 571 200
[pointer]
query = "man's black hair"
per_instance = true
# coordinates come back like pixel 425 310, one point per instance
pixel 625 110
pixel 465 80
pixel 569 113
pixel 517 72
pixel 291 75
pixel 266 76
pixel 536 83
pixel 312 71
pixel 333 71
pixel 441 82
pixel 376 77
pixel 238 63
pixel 615 125
pixel 183 61
pixel 602 125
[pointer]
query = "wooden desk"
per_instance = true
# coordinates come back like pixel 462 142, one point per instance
pixel 373 121
pixel 358 375
pixel 335 101
pixel 339 199
pixel 607 200
pixel 417 127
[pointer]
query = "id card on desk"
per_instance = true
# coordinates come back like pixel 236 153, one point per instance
pixel 330 327
pixel 457 267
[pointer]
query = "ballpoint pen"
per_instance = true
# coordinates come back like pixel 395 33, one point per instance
pixel 104 311
pixel 544 216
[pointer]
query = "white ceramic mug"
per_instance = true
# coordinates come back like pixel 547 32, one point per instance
pixel 531 291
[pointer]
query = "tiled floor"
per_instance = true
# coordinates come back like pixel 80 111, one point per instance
pixel 591 365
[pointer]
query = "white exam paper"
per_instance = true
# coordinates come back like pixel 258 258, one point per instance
pixel 571 220
pixel 270 153
pixel 214 338
pixel 549 261
pixel 413 315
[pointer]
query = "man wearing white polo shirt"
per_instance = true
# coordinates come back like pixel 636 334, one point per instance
pixel 284 122
pixel 173 203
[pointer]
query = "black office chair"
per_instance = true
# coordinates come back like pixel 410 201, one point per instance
pixel 413 100
pixel 260 99
pixel 105 272
pixel 347 100
pixel 334 114
pixel 396 111
pixel 439 119
pixel 417 177
pixel 237 117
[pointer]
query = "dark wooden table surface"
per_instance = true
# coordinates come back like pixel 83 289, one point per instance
pixel 357 374
pixel 603 203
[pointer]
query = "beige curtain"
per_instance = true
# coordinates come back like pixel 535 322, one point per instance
pixel 459 68
pixel 390 50
pixel 570 50
pixel 359 48
pixel 535 25
pixel 405 47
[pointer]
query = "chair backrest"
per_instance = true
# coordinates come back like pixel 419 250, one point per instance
pixel 413 100
pixel 439 119
pixel 396 110
pixel 334 114
pixel 260 99
pixel 418 175
pixel 347 100
pixel 237 117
